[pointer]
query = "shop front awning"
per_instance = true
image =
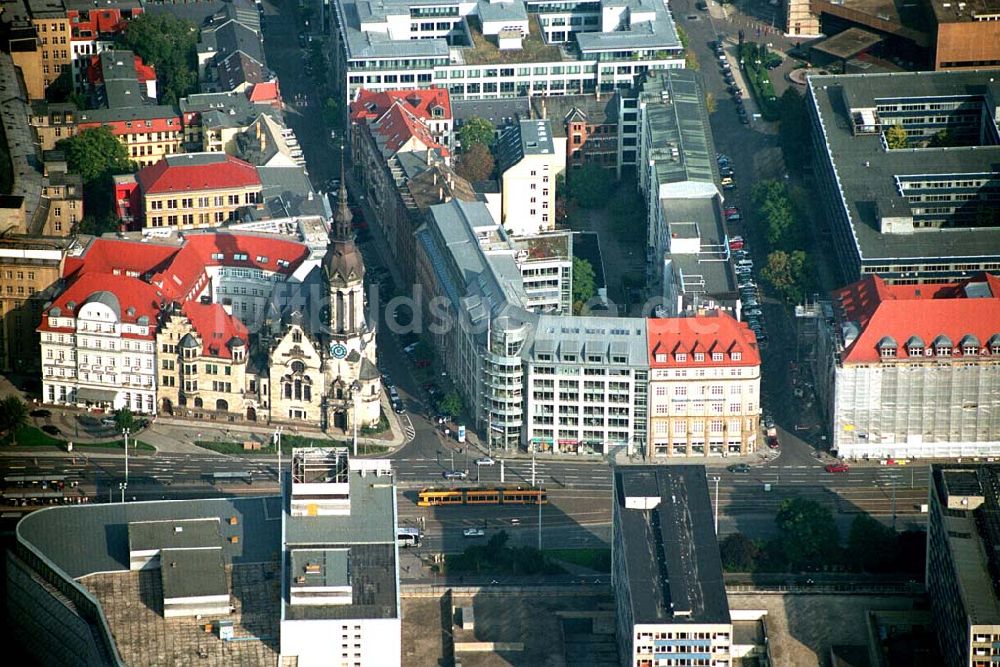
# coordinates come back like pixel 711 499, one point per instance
pixel 96 395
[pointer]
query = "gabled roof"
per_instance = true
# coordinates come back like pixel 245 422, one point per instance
pixel 118 257
pixel 219 331
pixel 131 298
pixel 715 332
pixel 189 172
pixel 932 315
pixel 398 125
pixel 369 105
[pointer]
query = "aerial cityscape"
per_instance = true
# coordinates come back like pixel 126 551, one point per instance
pixel 362 333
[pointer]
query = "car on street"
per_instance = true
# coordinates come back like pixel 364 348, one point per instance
pixel 515 522
pixel 454 474
pixel 768 421
pixel 726 171
pixel 398 407
pixel 734 217
pixel 51 429
pixel 410 348
pixel 485 461
pixel 739 468
pixel 43 414
pixel 736 245
pixel 837 467
pixel 730 210
pixel 729 186
pixel 473 532
pixel 772 442
pixel 108 421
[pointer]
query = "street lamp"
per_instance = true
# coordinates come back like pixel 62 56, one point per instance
pixel 124 485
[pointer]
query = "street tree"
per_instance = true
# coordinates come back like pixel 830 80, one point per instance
pixel 807 534
pixel 895 137
pixel 169 44
pixel 590 186
pixel 451 404
pixel 331 113
pixel 794 135
pixel 739 553
pixel 475 163
pixel 476 130
pixel 124 419
pixel 787 273
pixel 13 416
pixel 584 282
pixel 872 545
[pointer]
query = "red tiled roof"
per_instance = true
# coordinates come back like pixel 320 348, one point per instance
pixel 715 332
pixel 215 327
pixel 204 171
pixel 135 297
pixel 369 105
pixel 397 126
pixel 185 274
pixel 902 312
pixel 266 91
pixel 118 257
pixel 143 71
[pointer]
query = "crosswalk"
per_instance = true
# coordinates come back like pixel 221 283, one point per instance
pixel 409 433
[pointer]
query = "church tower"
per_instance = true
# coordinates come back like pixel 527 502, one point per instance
pixel 344 271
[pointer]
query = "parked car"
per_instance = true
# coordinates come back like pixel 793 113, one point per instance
pixel 108 421
pixel 739 468
pixel 726 171
pixel 398 407
pixel 42 414
pixel 454 474
pixel 473 532
pixel 837 467
pixel 410 348
pixel 736 245
pixel 730 210
pixel 734 217
pixel 772 442
pixel 485 461
pixel 51 429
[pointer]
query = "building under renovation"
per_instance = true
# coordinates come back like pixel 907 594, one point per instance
pixel 913 370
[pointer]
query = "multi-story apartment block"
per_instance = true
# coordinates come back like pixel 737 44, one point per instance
pixel 546 265
pixel 587 123
pixel 231 51
pixel 494 49
pixel 529 158
pixel 340 601
pixel 61 204
pixel 190 190
pixel 963 558
pixel 927 211
pixel 212 120
pixel 95 28
pixel 910 371
pixel 98 343
pixel 53 122
pixel 704 386
pixel 585 383
pixel 431 106
pixel 666 572
pixel 28 270
pixel 687 250
pixel 53 29
pixel 202 355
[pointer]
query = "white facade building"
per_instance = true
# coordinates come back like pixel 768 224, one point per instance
pixel 529 159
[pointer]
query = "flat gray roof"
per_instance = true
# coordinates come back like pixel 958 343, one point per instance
pixel 183 534
pixel 85 539
pixel 583 335
pixel 867 173
pixel 372 569
pixel 370 520
pixel 193 573
pixel 705 272
pixel 678 119
pixel 671 553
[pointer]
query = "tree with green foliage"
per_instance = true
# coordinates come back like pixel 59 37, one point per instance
pixel 807 534
pixel 584 283
pixel 124 419
pixel 475 163
pixel 774 208
pixel 331 113
pixel 872 545
pixel 13 416
pixel 476 130
pixel 96 154
pixel 794 134
pixel 739 553
pixel 786 272
pixel 169 44
pixel 451 404
pixel 896 138
pixel 590 186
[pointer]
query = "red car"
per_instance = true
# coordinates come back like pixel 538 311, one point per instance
pixel 837 467
pixel 732 210
pixel 772 441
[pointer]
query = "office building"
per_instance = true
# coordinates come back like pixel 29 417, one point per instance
pixel 493 49
pixel 340 601
pixel 963 550
pixel 921 211
pixel 587 123
pixel 529 160
pixel 585 385
pixel 913 371
pixel 29 268
pixel 704 386
pixel 687 248
pixel 666 573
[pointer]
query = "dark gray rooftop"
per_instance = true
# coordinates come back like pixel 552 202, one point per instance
pixel 144 112
pixel 671 553
pixel 528 137
pixel 84 539
pixel 867 173
pixel 706 272
pixel 288 192
pixel 193 573
pixel 372 570
pixel 500 112
pixel 184 534
pixel 682 144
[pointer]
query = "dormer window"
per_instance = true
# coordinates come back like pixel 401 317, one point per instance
pixel 942 346
pixel 682 356
pixel 737 356
pixel 699 356
pixel 915 351
pixel 994 344
pixel 716 356
pixel 887 347
pixel 970 345
pixel 943 351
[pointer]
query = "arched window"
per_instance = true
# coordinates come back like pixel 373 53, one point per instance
pixel 221 405
pixel 197 403
pixel 288 389
pixel 298 367
pixel 298 390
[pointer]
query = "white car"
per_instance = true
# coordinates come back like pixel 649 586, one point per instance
pixel 473 532
pixel 485 461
